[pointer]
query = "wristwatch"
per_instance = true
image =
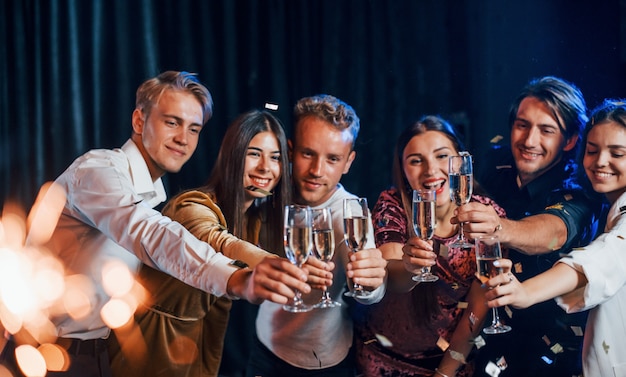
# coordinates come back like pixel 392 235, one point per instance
pixel 238 263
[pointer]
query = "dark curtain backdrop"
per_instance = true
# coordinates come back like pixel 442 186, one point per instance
pixel 69 69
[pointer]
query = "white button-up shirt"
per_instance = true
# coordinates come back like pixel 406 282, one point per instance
pixel 108 215
pixel 604 264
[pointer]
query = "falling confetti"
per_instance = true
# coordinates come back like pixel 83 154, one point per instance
pixel 384 341
pixel 458 356
pixel 442 344
pixel 556 348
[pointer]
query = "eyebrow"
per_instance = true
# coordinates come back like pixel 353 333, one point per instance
pixel 523 120
pixel 179 119
pixel 434 151
pixel 261 150
pixel 611 146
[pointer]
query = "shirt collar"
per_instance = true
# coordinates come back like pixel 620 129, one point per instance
pixel 153 192
pixel 547 181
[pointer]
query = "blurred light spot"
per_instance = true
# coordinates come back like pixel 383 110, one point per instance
pixel 55 356
pixel 117 278
pixel 11 322
pixel 14 230
pixel 45 214
pixel 49 285
pixel 76 298
pixel 30 361
pixel 183 350
pixel 116 313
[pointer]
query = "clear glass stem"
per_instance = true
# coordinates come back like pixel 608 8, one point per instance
pixel 461 234
pixel 297 300
pixel 495 321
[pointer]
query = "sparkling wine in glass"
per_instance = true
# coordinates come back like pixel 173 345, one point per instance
pixel 355 225
pixel 298 241
pixel 488 251
pixel 424 223
pixel 460 178
pixel 324 246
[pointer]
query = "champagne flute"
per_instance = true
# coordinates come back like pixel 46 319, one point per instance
pixel 298 241
pixel 488 251
pixel 355 219
pixel 324 246
pixel 424 223
pixel 460 175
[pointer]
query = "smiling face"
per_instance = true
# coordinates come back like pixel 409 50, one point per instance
pixel 536 140
pixel 425 163
pixel 262 166
pixel 605 159
pixel 320 155
pixel 168 136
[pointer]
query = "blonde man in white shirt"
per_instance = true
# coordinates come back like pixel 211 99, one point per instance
pixel 109 215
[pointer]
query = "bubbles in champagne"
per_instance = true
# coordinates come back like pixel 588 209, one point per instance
pixel 299 244
pixel 461 187
pixel 324 241
pixel 424 221
pixel 355 232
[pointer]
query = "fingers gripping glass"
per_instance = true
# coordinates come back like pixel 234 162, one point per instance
pixel 424 223
pixel 298 241
pixel 324 246
pixel 355 226
pixel 488 251
pixel 460 176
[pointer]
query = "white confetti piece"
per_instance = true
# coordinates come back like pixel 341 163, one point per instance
pixel 496 139
pixel 492 369
pixel 271 106
pixel 556 348
pixel 501 363
pixel 384 341
pixel 458 356
pixel 578 331
pixel 443 251
pixel 479 341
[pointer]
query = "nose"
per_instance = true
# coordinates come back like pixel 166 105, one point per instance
pixel 602 159
pixel 316 169
pixel 431 167
pixel 263 165
pixel 532 137
pixel 180 137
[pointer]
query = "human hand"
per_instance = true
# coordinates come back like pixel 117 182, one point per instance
pixel 320 275
pixel 367 268
pixel 273 279
pixel 418 253
pixel 478 220
pixel 505 289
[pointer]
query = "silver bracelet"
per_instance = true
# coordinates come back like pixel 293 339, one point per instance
pixel 437 371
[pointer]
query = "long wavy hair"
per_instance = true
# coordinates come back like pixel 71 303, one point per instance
pixel 226 179
pixel 425 299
